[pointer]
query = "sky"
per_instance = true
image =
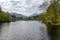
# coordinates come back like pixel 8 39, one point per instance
pixel 25 7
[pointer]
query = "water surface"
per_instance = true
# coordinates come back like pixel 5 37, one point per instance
pixel 23 30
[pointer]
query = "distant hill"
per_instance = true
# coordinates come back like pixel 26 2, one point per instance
pixel 18 15
pixel 35 14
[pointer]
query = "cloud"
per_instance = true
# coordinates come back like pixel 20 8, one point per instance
pixel 25 7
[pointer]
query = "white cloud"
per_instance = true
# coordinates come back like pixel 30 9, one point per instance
pixel 25 7
pixel 3 0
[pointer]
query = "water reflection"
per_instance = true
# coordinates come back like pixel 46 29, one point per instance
pixel 0 28
pixel 23 30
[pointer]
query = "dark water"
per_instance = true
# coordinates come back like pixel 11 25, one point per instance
pixel 23 30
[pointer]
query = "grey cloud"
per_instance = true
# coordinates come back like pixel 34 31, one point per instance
pixel 24 6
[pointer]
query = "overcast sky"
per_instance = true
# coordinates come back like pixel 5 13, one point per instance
pixel 25 7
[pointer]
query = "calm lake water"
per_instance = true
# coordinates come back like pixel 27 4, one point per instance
pixel 23 30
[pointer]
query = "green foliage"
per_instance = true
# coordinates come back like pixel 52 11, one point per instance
pixel 5 17
pixel 52 14
pixel 26 18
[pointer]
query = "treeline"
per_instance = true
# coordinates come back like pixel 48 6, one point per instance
pixel 31 18
pixel 52 14
pixel 25 18
pixel 5 16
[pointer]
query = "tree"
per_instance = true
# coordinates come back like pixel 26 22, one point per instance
pixel 52 14
pixel 4 16
pixel 56 10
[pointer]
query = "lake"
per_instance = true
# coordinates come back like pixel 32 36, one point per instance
pixel 23 30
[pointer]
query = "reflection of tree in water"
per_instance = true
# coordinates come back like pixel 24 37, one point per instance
pixel 43 34
pixel 0 27
pixel 3 25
